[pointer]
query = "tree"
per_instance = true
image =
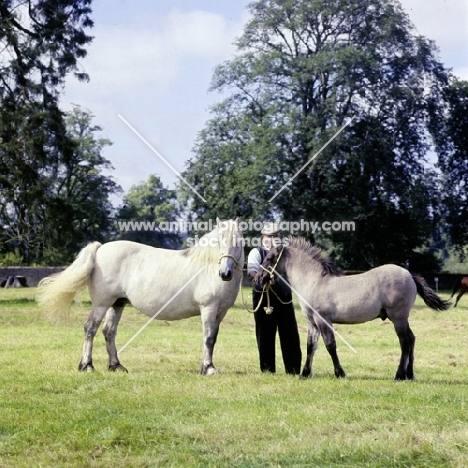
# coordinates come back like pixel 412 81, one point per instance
pixel 451 129
pixel 303 69
pixel 150 205
pixel 79 208
pixel 69 205
pixel 41 43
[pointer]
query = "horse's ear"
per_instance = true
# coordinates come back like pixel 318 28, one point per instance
pixel 218 221
pixel 238 220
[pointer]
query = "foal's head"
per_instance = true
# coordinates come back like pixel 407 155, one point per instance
pixel 270 266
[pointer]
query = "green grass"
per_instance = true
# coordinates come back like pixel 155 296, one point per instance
pixel 163 413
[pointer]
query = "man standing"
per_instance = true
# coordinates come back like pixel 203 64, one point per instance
pixel 282 318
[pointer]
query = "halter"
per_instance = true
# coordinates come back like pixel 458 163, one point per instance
pixel 266 289
pixel 229 256
pixel 236 261
pixel 271 269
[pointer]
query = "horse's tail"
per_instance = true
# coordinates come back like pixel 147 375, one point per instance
pixel 56 292
pixel 456 286
pixel 429 296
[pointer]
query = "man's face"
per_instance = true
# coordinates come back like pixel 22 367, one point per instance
pixel 271 241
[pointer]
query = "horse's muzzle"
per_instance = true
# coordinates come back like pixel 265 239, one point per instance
pixel 226 276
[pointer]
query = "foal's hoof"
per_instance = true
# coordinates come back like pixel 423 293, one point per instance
pixel 340 373
pixel 117 368
pixel 85 367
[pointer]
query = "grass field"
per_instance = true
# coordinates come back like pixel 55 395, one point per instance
pixel 163 413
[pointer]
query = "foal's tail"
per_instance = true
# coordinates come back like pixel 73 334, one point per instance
pixel 56 292
pixel 456 286
pixel 429 296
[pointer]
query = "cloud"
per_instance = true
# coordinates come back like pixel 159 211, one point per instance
pixel 155 70
pixel 445 22
pixel 125 58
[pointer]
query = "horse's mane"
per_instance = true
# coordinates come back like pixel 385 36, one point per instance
pixel 314 254
pixel 203 255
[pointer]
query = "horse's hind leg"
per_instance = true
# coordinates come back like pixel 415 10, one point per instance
pixel 329 338
pixel 407 341
pixel 460 294
pixel 109 331
pixel 90 328
pixel 312 343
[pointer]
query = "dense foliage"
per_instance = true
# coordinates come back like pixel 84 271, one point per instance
pixel 147 211
pixel 52 197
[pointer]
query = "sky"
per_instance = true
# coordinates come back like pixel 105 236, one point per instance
pixel 151 63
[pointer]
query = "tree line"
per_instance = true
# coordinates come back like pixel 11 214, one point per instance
pixel 303 69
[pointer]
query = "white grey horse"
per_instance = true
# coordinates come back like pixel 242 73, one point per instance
pixel 327 297
pixel 203 280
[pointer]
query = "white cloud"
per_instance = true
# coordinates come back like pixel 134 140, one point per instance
pixel 126 58
pixel 446 23
pixel 155 70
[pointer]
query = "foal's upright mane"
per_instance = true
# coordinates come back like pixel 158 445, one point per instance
pixel 314 255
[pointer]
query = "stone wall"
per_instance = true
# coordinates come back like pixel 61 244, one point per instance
pixel 32 274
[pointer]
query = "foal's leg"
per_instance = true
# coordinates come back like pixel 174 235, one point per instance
pixel 210 321
pixel 113 316
pixel 329 338
pixel 313 334
pixel 90 328
pixel 409 370
pixel 407 340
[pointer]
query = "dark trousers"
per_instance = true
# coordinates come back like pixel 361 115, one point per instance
pixel 283 320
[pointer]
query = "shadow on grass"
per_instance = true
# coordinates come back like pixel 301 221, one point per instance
pixel 19 301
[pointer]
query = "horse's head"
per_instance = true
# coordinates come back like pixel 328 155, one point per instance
pixel 270 266
pixel 231 248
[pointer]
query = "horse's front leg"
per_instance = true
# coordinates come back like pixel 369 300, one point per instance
pixel 90 329
pixel 109 331
pixel 326 329
pixel 210 321
pixel 313 334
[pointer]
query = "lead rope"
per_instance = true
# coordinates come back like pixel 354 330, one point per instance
pixel 279 299
pixel 268 309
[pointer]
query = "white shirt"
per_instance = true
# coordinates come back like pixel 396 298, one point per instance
pixel 254 260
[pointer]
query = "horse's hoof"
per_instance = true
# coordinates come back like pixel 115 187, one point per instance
pixel 305 376
pixel 208 370
pixel 117 368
